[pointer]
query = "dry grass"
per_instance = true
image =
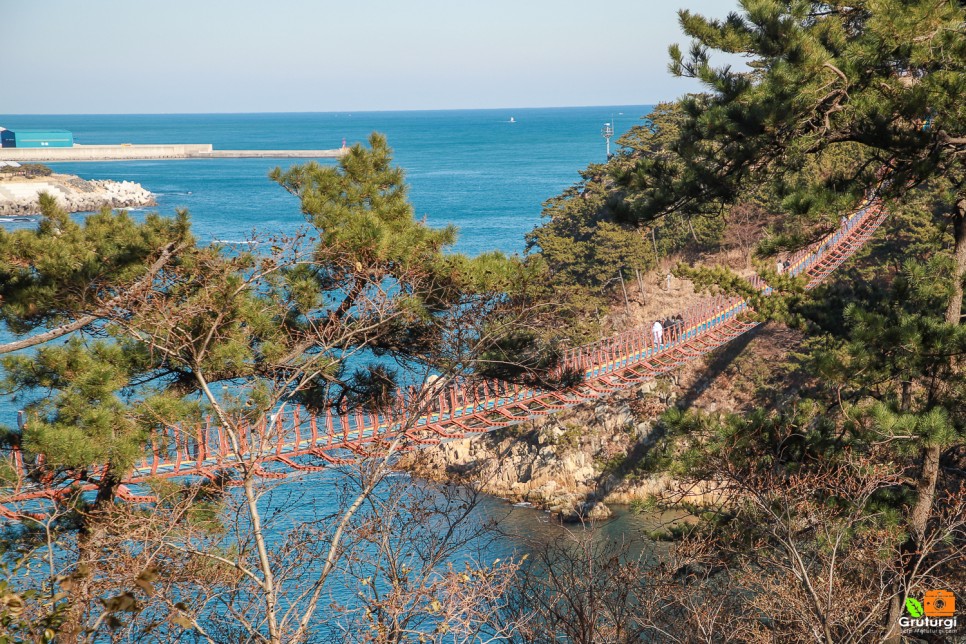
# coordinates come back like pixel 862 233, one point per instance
pixel 656 301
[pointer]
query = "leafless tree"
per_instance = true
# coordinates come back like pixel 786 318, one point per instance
pixel 787 551
pixel 746 223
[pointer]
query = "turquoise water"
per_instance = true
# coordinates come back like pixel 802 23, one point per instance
pixel 471 168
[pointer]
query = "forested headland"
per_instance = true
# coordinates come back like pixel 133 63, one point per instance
pixel 835 505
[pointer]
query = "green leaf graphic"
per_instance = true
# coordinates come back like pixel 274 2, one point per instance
pixel 914 607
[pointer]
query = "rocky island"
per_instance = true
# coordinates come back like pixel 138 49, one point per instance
pixel 20 189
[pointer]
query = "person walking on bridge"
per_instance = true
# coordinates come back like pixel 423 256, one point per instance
pixel 657 331
pixel 677 326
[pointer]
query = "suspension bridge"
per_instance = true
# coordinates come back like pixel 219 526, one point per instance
pixel 295 440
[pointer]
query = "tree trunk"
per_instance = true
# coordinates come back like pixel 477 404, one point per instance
pixel 894 634
pixel 72 630
pixel 88 537
pixel 954 311
pixel 918 522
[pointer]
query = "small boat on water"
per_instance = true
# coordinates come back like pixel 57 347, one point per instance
pixel 512 120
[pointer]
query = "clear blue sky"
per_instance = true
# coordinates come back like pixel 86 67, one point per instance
pixel 127 56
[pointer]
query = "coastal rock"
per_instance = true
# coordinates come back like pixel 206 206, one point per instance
pixel 570 464
pixel 20 196
pixel 533 470
pixel 666 490
pixel 587 511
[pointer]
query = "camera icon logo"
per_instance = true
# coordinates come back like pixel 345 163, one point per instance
pixel 939 603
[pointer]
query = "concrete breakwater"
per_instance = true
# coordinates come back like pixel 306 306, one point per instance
pixel 161 151
pixel 21 196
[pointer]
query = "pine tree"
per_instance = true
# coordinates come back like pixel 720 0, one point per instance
pixel 65 275
pixel 872 91
pixel 880 82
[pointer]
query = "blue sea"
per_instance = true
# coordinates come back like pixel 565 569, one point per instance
pixel 472 168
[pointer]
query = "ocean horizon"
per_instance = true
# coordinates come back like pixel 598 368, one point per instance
pixel 472 168
pixel 345 111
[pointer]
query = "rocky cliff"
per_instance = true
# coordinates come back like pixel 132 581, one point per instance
pixel 575 462
pixel 19 196
pixel 570 464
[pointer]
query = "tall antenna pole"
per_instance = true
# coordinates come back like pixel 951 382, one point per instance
pixel 607 132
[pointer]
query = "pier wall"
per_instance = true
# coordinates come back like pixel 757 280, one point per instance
pixel 143 152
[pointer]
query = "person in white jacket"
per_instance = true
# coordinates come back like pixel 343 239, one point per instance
pixel 658 332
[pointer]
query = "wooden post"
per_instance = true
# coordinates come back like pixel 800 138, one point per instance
pixel 374 419
pixel 441 401
pixel 200 447
pixel 329 426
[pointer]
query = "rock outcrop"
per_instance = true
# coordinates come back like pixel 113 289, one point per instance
pixel 575 462
pixel 569 464
pixel 20 197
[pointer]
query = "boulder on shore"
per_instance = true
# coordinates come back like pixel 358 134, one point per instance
pixel 590 510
